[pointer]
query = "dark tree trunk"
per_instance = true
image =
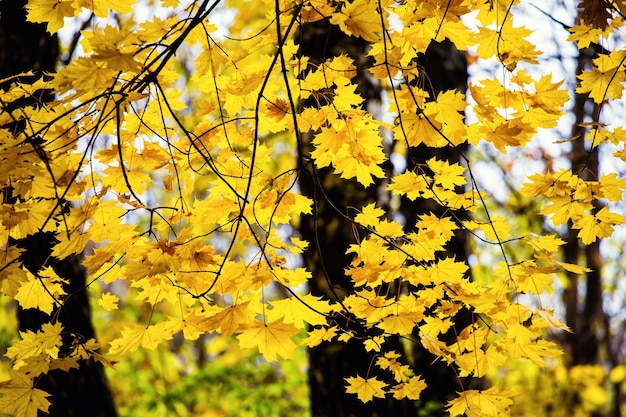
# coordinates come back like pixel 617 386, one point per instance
pixel 589 341
pixel 330 235
pixel 445 68
pixel 80 392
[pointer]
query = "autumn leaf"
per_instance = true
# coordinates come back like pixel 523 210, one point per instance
pixel 554 322
pixel 109 301
pixel 101 8
pixel 605 80
pixel 19 396
pixel 52 12
pixel 401 372
pixel 46 342
pixel 486 403
pixel 359 19
pixel 366 389
pixel 597 226
pixel 550 243
pixel 317 336
pixel 300 310
pixel 445 174
pixel 142 336
pixel 410 184
pixel 411 389
pixel 41 292
pixel 271 339
pixel 584 35
pixel 402 323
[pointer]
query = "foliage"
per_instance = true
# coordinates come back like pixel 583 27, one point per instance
pixel 151 383
pixel 182 191
pixel 558 390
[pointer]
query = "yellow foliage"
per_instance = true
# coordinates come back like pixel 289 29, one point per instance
pixel 366 389
pixel 173 156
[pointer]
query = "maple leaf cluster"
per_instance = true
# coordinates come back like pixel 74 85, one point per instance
pixel 182 191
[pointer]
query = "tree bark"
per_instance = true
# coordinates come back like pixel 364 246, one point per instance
pixel 80 392
pixel 330 235
pixel 444 69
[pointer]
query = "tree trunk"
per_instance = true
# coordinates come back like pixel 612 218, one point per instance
pixel 80 392
pixel 330 235
pixel 445 68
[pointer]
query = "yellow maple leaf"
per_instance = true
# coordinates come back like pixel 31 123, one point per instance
pixel 409 184
pixel 12 275
pixel 433 326
pixel 101 8
pixel 548 315
pixel 548 96
pixel 604 80
pixel 228 320
pixel 473 363
pixel 272 339
pixel 536 351
pixel 365 389
pixel 574 268
pixel 298 311
pixel 19 397
pixel 410 389
pixel 360 19
pixel 584 34
pixel 549 243
pixel 486 403
pixel 505 134
pixel 68 245
pixel 109 301
pixel 291 277
pixel 370 215
pixel 46 341
pixel 401 323
pixel 41 292
pixel 138 336
pixel 597 226
pixel 52 12
pixel 562 209
pixel 447 271
pixel 445 174
pixel 530 278
pixel 612 187
pixel 317 336
pixel 389 361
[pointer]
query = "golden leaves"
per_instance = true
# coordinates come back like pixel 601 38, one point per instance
pixel 365 389
pixel 604 81
pixel 42 292
pixel 487 403
pixel 271 339
pixel 138 336
pixel 19 396
pixel 45 342
pixel 359 19
pixel 352 145
pixel 184 187
pixel 572 199
pixel 52 12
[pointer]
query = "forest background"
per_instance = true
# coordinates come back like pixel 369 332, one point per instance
pixel 336 208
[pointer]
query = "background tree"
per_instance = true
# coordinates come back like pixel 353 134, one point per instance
pixel 331 234
pixel 81 389
pixel 442 68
